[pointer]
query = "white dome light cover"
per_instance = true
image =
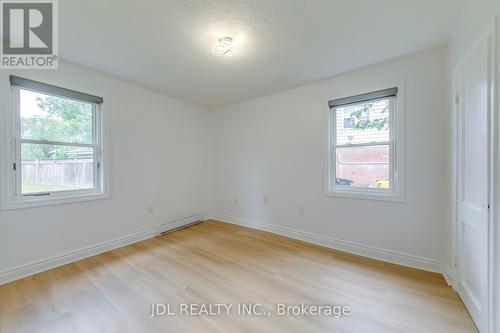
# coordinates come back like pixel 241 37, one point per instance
pixel 224 47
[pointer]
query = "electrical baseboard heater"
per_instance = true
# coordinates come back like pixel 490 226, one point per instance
pixel 177 224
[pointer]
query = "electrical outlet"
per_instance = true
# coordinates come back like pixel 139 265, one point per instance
pixel 300 210
pixel 235 201
pixel 265 200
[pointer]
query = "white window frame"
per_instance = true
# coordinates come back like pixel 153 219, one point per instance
pixel 11 196
pixel 396 145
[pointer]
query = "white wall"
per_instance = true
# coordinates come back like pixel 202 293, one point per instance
pixel 274 146
pixel 159 155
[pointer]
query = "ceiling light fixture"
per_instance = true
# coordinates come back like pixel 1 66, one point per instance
pixel 224 47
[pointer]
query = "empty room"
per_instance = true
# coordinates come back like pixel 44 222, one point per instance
pixel 250 166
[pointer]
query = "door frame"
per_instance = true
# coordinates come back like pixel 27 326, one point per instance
pixel 493 34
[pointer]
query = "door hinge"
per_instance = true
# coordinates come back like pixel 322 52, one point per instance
pixel 457 98
pixel 14 166
pixel 455 261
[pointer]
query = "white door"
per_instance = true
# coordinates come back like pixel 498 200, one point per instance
pixel 473 83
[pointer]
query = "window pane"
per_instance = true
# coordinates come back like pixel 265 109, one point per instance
pixel 363 123
pixel 48 168
pixel 366 167
pixel 45 117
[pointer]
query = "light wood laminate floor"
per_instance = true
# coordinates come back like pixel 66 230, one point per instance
pixel 214 262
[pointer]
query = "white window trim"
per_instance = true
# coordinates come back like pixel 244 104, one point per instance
pixel 10 200
pixel 398 193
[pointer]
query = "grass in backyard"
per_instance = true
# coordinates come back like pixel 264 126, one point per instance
pixel 37 188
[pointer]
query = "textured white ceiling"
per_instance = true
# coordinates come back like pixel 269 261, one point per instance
pixel 166 45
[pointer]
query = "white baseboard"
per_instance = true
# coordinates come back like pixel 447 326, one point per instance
pixel 449 274
pixel 337 244
pixel 69 257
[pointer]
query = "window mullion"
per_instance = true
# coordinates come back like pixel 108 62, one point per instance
pixel 55 143
pixel 370 144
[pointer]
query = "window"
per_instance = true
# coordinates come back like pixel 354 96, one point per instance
pixel 57 151
pixel 349 122
pixel 362 159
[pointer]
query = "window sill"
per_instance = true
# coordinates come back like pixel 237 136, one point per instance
pixel 32 202
pixel 365 195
